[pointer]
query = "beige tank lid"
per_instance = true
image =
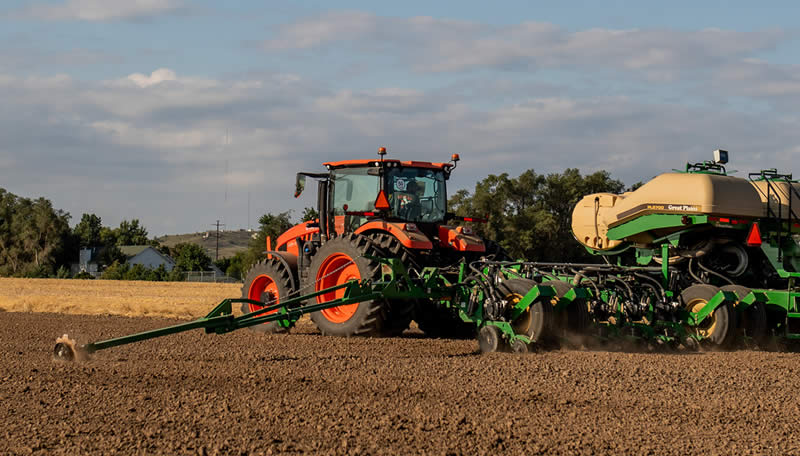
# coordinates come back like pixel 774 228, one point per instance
pixel 668 193
pixel 691 193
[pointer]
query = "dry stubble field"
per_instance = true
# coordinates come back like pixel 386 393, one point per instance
pixel 244 393
pixel 114 297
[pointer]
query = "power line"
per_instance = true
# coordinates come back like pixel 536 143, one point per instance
pixel 216 256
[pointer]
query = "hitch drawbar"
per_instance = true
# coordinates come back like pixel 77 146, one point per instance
pixel 396 284
pixel 221 320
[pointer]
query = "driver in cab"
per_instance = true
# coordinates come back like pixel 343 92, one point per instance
pixel 409 200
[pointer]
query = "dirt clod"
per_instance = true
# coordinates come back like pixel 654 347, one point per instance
pixel 245 393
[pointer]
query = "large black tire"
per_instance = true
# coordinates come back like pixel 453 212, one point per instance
pixel 575 318
pixel 719 329
pixel 753 320
pixel 537 323
pixel 339 260
pixel 267 281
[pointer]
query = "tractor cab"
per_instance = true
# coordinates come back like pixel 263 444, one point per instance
pixel 412 192
pixel 354 192
pixel 393 203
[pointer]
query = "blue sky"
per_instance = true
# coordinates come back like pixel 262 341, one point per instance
pixel 122 108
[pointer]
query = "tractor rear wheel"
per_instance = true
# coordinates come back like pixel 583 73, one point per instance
pixel 268 281
pixel 537 321
pixel 753 320
pixel 719 328
pixel 339 261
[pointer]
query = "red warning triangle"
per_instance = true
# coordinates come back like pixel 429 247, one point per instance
pixel 754 237
pixel 381 202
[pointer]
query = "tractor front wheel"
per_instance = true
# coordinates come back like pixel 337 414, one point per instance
pixel 339 261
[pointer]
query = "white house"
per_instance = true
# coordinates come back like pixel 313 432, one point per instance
pixel 147 256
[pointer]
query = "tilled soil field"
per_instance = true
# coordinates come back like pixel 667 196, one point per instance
pixel 243 393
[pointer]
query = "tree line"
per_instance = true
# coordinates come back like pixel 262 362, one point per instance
pixel 37 241
pixel 528 215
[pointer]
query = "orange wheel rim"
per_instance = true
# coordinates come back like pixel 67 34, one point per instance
pixel 335 270
pixel 263 284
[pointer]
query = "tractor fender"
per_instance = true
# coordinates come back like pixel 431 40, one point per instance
pixel 460 238
pixel 289 261
pixel 408 236
pixel 305 231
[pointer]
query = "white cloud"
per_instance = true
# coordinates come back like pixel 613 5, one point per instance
pixel 103 10
pixel 761 79
pixel 156 77
pixel 434 45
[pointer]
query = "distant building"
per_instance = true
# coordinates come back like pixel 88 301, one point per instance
pixel 88 261
pixel 147 256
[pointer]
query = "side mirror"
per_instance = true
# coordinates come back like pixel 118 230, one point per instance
pixel 299 185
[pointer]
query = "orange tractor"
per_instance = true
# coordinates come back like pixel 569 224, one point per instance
pixel 369 209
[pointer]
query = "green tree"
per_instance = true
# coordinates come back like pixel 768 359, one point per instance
pixel 309 214
pixel 108 236
pixel 110 254
pixel 158 274
pixel 115 271
pixel 33 236
pixel 530 215
pixel 269 225
pixel 190 257
pixel 87 231
pixel 136 272
pixel 131 233
pixel 233 266
pixel 176 275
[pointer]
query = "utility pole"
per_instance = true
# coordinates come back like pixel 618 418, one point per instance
pixel 216 256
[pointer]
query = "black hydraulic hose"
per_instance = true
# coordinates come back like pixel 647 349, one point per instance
pixel 710 271
pixel 658 286
pixel 691 273
pixel 490 288
pixel 630 291
pixel 592 282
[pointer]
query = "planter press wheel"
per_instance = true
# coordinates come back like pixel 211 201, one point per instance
pixel 719 328
pixel 537 321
